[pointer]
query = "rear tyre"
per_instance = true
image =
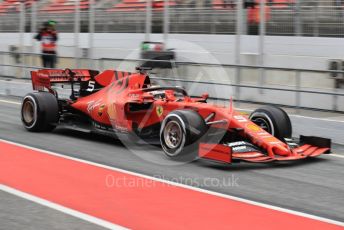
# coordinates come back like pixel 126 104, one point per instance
pixel 180 134
pixel 39 112
pixel 274 120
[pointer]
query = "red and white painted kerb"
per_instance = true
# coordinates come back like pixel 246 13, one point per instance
pixel 79 188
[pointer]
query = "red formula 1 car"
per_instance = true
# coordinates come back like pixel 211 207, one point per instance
pixel 128 104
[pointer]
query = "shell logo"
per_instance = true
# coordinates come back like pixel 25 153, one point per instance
pixel 253 127
pixel 271 139
pixel 112 112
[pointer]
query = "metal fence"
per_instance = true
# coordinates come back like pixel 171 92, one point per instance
pixel 234 76
pixel 300 18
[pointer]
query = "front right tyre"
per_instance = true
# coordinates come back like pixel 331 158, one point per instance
pixel 274 120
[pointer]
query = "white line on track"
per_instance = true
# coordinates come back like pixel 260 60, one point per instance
pixel 60 208
pixel 16 82
pixel 317 118
pixel 295 115
pixel 310 216
pixel 10 102
pixel 336 155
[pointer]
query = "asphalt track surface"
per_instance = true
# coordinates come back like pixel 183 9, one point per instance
pixel 314 186
pixel 19 213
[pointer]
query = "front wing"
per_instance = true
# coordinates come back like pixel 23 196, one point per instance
pixel 308 146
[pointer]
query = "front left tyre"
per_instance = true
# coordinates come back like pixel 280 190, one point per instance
pixel 39 112
pixel 180 134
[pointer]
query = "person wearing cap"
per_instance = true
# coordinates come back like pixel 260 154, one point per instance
pixel 48 38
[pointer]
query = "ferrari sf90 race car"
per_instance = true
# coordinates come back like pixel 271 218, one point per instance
pixel 123 104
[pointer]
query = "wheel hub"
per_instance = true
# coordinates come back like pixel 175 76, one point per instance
pixel 173 134
pixel 28 112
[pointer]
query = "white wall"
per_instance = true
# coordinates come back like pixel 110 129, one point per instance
pixel 294 52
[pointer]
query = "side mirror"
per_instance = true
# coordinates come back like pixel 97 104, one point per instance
pixel 142 69
pixel 205 96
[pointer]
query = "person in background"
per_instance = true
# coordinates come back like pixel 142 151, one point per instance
pixel 253 16
pixel 48 38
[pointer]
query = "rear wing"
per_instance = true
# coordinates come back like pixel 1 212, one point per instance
pixel 44 78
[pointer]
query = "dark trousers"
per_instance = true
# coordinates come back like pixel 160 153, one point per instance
pixel 49 60
pixel 253 29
